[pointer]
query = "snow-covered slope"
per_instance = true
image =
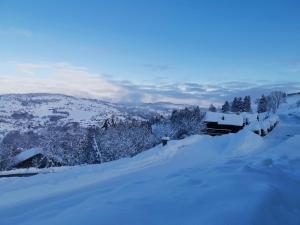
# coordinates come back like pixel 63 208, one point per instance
pixel 33 111
pixel 232 179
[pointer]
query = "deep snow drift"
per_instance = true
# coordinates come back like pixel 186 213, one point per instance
pixel 232 179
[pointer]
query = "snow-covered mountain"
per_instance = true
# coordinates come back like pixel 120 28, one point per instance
pixel 33 111
pixel 231 179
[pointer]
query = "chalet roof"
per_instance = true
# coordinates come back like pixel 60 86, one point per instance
pixel 224 119
pixel 27 154
pixel 165 138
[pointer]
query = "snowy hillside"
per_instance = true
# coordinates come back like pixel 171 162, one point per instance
pixel 32 111
pixel 232 179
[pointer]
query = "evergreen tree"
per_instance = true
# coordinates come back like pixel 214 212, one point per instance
pixel 240 104
pixel 237 105
pixel 212 108
pixel 234 105
pixel 262 105
pixel 185 122
pixel 247 104
pixel 226 107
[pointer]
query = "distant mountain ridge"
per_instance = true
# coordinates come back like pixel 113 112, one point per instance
pixel 25 112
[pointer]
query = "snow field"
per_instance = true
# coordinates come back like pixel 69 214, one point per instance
pixel 231 179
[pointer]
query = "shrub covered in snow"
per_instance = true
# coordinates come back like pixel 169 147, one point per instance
pixel 182 122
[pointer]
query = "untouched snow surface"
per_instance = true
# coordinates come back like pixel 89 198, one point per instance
pixel 231 179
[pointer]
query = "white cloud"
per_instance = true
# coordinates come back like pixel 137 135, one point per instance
pixel 59 78
pixel 68 79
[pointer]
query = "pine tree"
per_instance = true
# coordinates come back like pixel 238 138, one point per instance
pixel 247 104
pixel 262 105
pixel 92 150
pixel 212 108
pixel 240 104
pixel 235 105
pixel 226 107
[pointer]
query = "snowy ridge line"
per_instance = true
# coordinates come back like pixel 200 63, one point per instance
pixel 25 112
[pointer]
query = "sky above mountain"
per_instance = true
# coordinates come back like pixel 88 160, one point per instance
pixel 125 50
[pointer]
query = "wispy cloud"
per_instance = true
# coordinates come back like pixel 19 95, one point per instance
pixel 203 93
pixel 79 81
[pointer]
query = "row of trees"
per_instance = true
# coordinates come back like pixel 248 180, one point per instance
pixel 73 145
pixel 183 122
pixel 271 102
pixel 237 105
pixel 265 103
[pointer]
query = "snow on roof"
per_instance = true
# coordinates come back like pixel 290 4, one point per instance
pixel 224 119
pixel 264 123
pixel 26 154
pixel 250 116
pixel 165 138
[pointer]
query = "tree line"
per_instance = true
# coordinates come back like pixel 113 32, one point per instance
pixel 266 103
pixel 238 105
pixel 72 144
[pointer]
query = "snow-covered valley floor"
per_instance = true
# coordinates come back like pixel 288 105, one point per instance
pixel 231 179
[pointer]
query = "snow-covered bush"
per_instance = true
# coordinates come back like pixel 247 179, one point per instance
pixel 187 121
pixel 274 99
pixel 63 145
pixel 125 139
pixel 6 157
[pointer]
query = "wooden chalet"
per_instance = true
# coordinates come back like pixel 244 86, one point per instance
pixel 221 123
pixel 35 157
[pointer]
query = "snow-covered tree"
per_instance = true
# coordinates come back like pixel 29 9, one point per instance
pixel 6 157
pixel 64 145
pixel 226 107
pixel 247 104
pixel 274 99
pixel 92 151
pixel 186 121
pixel 237 105
pixel 212 108
pixel 262 105
pixel 125 139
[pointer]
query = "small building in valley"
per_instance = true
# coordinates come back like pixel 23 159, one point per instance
pixel 33 157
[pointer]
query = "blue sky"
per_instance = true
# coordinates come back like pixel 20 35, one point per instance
pixel 138 48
